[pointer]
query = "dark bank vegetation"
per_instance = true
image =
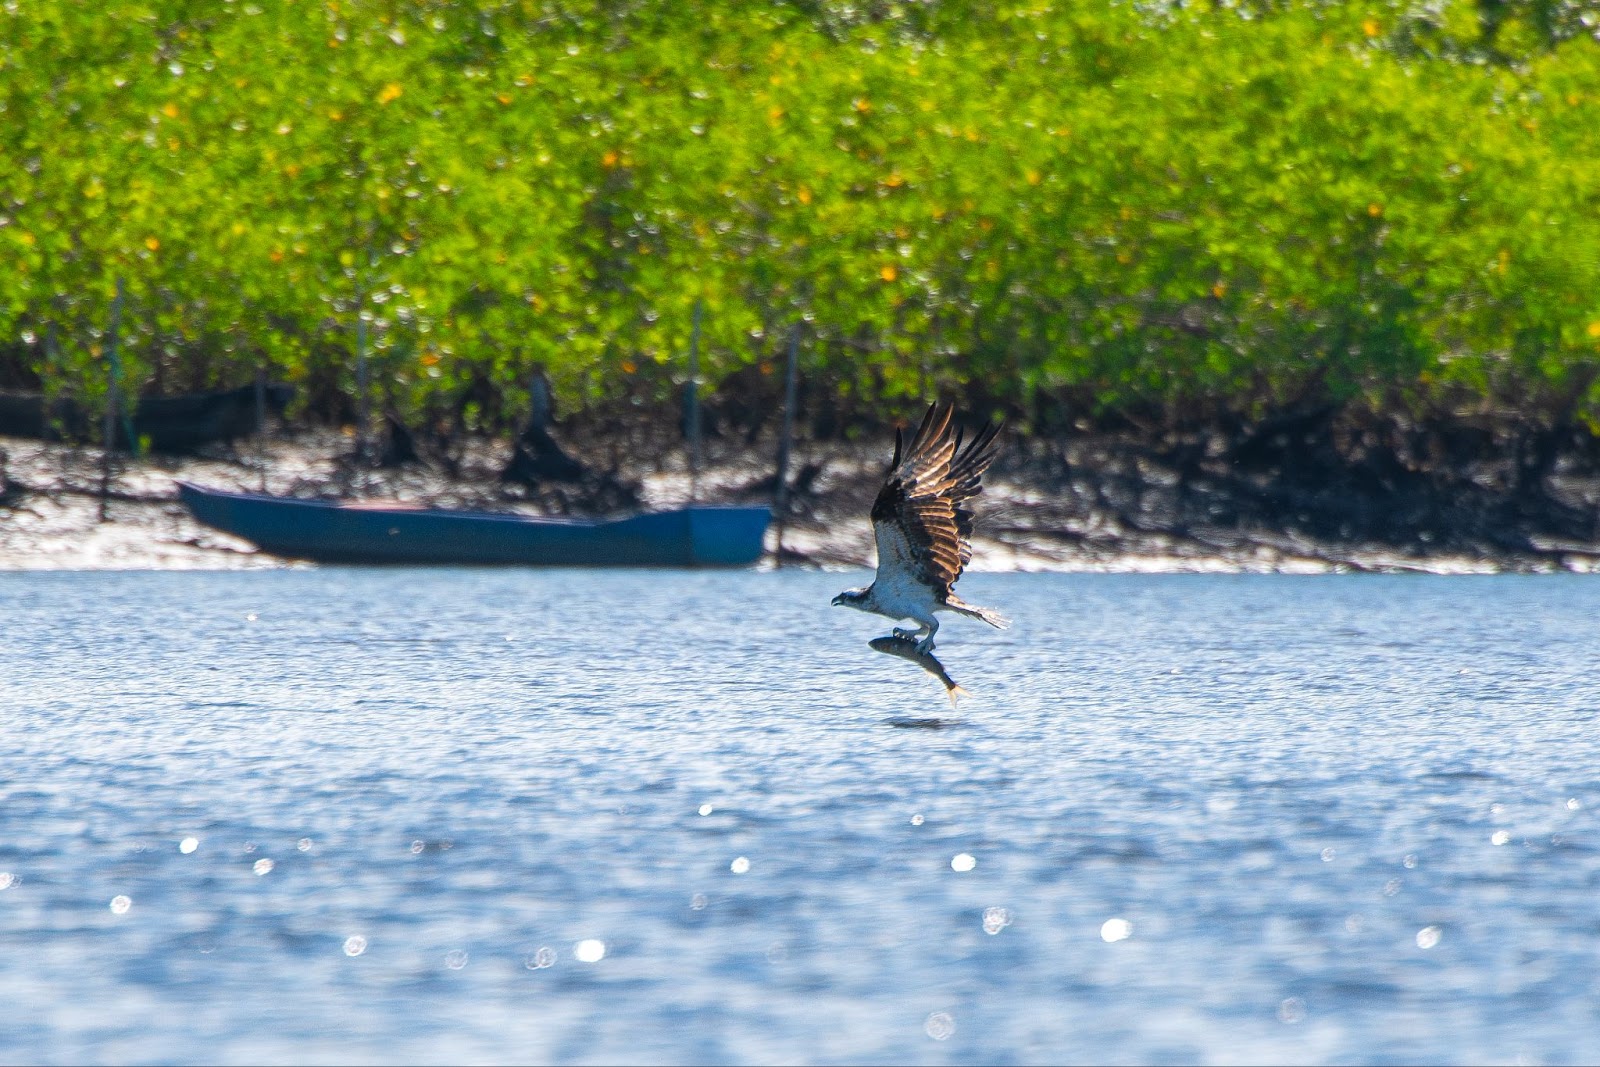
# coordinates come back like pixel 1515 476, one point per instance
pixel 1332 248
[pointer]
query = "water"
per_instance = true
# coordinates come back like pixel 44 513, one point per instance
pixel 661 817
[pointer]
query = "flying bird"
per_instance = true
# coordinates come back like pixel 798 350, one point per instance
pixel 922 523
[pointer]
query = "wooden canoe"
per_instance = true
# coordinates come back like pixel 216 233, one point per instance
pixel 374 532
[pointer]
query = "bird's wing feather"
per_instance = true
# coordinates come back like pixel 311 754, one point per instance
pixel 920 522
pixel 897 560
pixel 966 474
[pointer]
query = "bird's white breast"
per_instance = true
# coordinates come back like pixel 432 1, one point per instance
pixel 896 592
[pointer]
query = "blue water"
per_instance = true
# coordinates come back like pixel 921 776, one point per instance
pixel 665 817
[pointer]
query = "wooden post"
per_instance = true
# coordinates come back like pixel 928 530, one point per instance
pixel 780 494
pixel 691 403
pixel 52 358
pixel 113 388
pixel 363 401
pixel 68 433
pixel 540 405
pixel 261 422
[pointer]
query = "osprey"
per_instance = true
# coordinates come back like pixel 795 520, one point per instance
pixel 923 528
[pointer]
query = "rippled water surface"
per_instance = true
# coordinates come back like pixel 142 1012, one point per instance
pixel 438 815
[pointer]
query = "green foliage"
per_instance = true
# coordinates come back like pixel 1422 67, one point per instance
pixel 1245 205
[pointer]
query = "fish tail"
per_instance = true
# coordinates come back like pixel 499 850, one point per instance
pixel 954 691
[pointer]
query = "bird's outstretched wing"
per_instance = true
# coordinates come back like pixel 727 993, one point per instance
pixel 921 520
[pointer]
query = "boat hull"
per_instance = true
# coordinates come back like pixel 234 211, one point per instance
pixel 334 532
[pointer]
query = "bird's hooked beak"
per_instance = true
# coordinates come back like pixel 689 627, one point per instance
pixel 838 600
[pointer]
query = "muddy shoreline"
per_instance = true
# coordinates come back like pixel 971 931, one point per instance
pixel 1091 501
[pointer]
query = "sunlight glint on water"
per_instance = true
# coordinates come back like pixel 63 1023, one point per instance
pixel 336 814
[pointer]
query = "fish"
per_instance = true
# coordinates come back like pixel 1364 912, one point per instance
pixel 906 648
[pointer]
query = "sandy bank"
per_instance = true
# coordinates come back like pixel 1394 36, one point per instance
pixel 50 512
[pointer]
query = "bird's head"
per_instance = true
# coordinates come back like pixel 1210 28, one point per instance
pixel 851 598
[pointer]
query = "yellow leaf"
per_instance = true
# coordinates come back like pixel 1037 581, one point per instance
pixel 1219 289
pixel 26 238
pixel 152 243
pixel 1370 27
pixel 389 92
pixel 1374 209
pixel 803 194
pixel 888 273
pixel 609 160
pixel 171 110
pixel 1594 328
pixel 628 366
pixel 862 105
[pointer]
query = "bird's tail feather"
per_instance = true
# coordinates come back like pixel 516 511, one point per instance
pixel 972 611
